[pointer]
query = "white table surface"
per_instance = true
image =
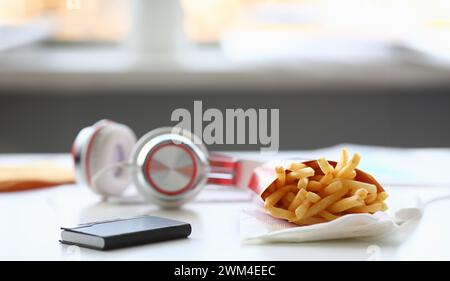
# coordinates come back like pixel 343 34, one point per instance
pixel 30 223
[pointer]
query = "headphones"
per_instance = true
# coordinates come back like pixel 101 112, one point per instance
pixel 168 166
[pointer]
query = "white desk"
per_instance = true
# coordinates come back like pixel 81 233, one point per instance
pixel 30 224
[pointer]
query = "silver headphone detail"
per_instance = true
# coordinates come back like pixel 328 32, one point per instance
pixel 168 166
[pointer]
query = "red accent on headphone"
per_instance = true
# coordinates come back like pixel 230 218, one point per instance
pixel 158 188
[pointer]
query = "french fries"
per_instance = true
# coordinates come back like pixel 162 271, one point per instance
pixel 319 191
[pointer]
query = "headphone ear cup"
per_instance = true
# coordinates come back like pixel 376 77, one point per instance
pixel 98 147
pixel 172 166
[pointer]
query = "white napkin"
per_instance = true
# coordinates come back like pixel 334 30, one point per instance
pixel 256 226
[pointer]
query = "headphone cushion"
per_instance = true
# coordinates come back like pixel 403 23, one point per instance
pixel 109 144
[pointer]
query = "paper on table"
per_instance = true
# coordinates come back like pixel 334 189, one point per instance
pixel 256 226
pixel 389 165
pixel 397 166
pixel 36 175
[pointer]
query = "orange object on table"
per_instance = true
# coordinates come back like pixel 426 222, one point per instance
pixel 34 176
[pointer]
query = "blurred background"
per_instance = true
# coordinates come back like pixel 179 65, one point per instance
pixel 362 71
